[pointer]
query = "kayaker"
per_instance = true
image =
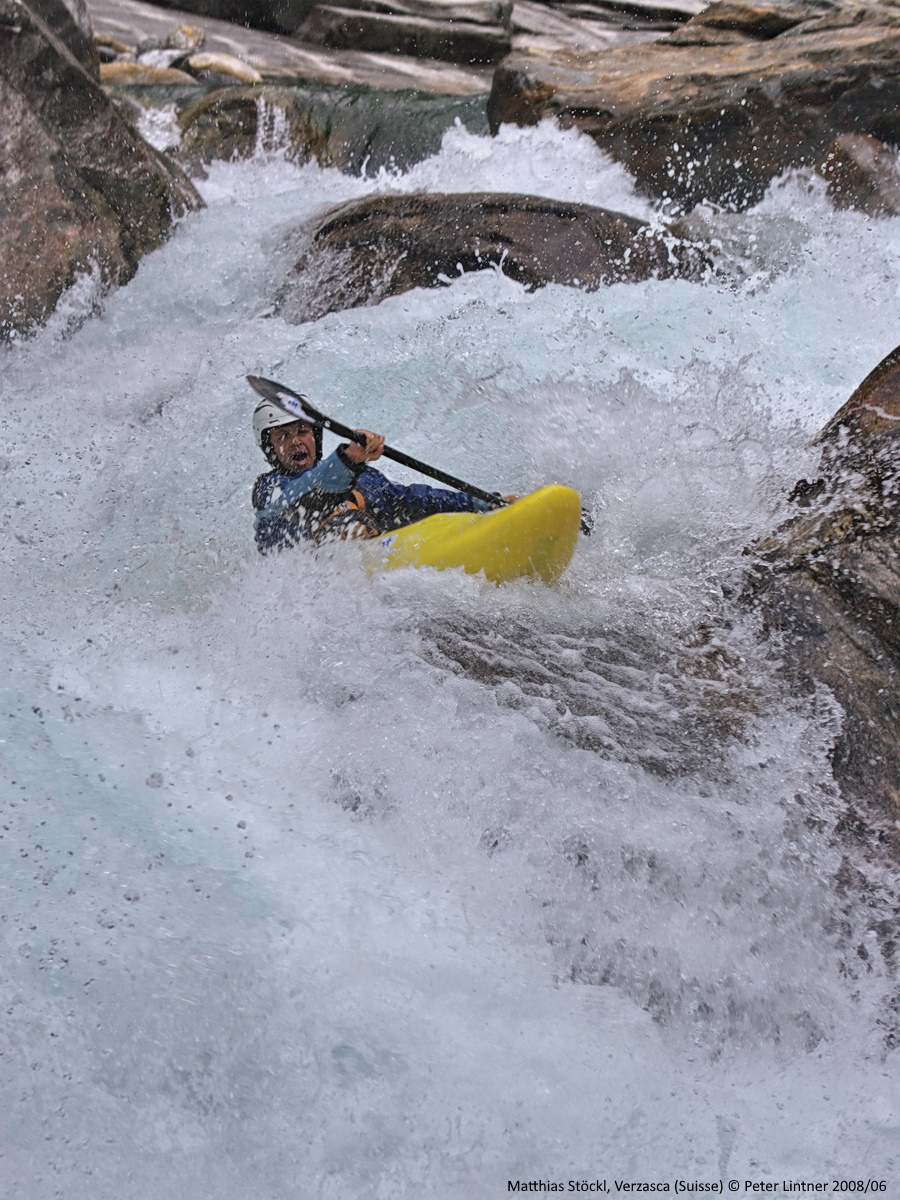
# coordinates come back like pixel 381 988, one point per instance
pixel 307 498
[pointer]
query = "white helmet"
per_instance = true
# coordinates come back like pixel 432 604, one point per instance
pixel 268 416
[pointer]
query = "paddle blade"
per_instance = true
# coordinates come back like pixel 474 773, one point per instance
pixel 292 402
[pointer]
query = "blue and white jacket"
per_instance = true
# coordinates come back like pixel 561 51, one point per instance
pixel 295 508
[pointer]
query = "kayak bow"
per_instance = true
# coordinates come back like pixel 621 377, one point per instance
pixel 534 537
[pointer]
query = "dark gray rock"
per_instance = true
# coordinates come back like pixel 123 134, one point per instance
pixel 828 581
pixel 419 37
pixel 69 21
pixel 79 190
pixel 669 11
pixel 478 12
pixel 734 98
pixel 276 16
pixel 366 250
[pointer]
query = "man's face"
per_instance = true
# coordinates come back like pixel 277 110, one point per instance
pixel 294 446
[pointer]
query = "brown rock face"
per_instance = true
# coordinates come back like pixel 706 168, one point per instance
pixel 366 250
pixel 872 412
pixel 732 99
pixel 78 188
pixel 829 582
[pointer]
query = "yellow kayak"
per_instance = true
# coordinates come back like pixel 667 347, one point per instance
pixel 533 537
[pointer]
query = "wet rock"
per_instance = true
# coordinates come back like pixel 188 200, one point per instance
pixel 189 38
pixel 736 97
pixel 829 582
pixel 133 23
pixel 68 20
pixel 621 694
pixel 862 173
pixel 419 37
pixel 352 129
pixel 659 18
pixel 155 56
pixel 735 20
pixel 109 49
pixel 275 16
pixel 650 10
pixel 127 74
pixel 364 251
pixel 477 12
pixel 225 124
pixel 535 26
pixel 79 190
pixel 204 65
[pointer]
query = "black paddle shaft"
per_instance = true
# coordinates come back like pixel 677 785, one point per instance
pixel 298 406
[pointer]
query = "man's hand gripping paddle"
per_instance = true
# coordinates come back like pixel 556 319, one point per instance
pixel 299 407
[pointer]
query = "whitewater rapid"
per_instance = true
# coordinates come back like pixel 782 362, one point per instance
pixel 322 885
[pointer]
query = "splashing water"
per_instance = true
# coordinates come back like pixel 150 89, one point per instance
pixel 316 884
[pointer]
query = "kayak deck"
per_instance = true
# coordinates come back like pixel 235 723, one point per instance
pixel 533 537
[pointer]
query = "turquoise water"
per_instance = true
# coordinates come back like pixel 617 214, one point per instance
pixel 316 884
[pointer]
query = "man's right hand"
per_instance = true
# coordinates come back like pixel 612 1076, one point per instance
pixel 368 453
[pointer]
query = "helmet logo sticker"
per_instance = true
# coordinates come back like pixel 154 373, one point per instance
pixel 291 405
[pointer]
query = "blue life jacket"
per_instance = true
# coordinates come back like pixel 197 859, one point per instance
pixel 336 497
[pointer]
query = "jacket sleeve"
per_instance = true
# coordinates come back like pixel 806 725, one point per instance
pixel 401 504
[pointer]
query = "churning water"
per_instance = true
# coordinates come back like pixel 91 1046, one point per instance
pixel 322 885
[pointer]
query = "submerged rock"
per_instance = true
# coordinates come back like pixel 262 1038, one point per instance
pixel 729 101
pixel 366 250
pixel 352 129
pixel 79 189
pixel 829 582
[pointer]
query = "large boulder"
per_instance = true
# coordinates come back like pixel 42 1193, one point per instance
pixel 829 582
pixel 365 250
pixel 79 189
pixel 716 110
